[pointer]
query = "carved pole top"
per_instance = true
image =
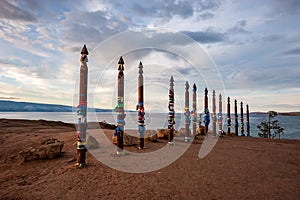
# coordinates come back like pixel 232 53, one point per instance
pixel 220 97
pixel 84 50
pixel 84 53
pixel 228 99
pixel 121 63
pixel 214 93
pixel 171 81
pixel 241 103
pixel 235 102
pixel 205 91
pixel 194 88
pixel 187 86
pixel 140 68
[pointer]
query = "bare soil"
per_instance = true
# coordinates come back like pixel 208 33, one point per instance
pixel 236 168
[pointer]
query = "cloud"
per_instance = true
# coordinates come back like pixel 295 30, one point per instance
pixel 10 11
pixel 9 98
pixel 206 15
pixel 208 5
pixel 89 27
pixel 207 36
pixel 159 12
pixel 13 61
pixel 272 38
pixel 294 51
pixel 279 7
pixel 161 9
pixel 238 28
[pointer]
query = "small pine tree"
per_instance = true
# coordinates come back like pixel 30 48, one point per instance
pixel 263 129
pixel 270 128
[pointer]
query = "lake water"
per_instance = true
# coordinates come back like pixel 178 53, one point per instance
pixel 156 120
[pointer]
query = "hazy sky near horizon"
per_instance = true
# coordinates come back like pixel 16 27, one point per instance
pixel 254 47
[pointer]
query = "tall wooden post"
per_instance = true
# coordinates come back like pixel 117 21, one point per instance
pixel 140 107
pixel 236 125
pixel 120 108
pixel 213 117
pixel 194 112
pixel 248 121
pixel 220 116
pixel 206 111
pixel 82 110
pixel 187 113
pixel 242 120
pixel 171 117
pixel 228 116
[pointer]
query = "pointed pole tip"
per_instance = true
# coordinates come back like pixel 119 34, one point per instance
pixel 84 50
pixel 121 61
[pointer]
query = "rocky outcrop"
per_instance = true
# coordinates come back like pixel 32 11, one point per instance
pixel 201 130
pixel 163 133
pixel 150 135
pixel 128 140
pixel 48 149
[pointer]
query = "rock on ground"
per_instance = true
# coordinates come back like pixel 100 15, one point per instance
pixel 48 149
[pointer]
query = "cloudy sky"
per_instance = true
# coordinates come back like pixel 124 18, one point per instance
pixel 248 50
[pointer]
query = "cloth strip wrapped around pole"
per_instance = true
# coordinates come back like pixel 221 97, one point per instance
pixel 206 111
pixel 220 117
pixel 248 121
pixel 194 112
pixel 140 108
pixel 187 113
pixel 213 117
pixel 236 125
pixel 119 132
pixel 171 116
pixel 228 117
pixel 82 110
pixel 242 120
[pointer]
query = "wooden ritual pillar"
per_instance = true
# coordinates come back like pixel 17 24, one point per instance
pixel 242 120
pixel 206 111
pixel 236 125
pixel 214 117
pixel 82 110
pixel 220 116
pixel 228 116
pixel 248 121
pixel 120 108
pixel 194 112
pixel 171 116
pixel 187 113
pixel 140 108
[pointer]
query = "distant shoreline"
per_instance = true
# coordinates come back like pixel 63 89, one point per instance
pixel 13 106
pixel 279 113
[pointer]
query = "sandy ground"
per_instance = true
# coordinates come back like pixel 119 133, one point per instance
pixel 236 168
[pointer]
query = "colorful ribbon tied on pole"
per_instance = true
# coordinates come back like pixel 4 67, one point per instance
pixel 187 116
pixel 220 118
pixel 228 122
pixel 141 119
pixel 242 127
pixel 206 117
pixel 81 125
pixel 120 112
pixel 171 116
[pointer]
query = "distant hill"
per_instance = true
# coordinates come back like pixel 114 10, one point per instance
pixel 13 106
pixel 290 114
pixel 279 113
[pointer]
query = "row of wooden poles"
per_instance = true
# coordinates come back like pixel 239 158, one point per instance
pixel 189 116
